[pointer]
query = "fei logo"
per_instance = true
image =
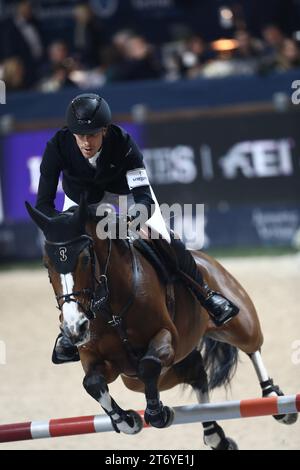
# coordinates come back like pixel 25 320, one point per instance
pixel 2 92
pixel 296 94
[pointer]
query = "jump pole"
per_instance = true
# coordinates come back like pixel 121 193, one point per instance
pixel 248 408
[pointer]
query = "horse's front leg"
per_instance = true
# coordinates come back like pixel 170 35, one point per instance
pixel 127 421
pixel 160 354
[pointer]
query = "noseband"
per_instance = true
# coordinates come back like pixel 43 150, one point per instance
pixel 64 256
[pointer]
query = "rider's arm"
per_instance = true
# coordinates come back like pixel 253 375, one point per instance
pixel 137 178
pixel 49 174
pixel 142 195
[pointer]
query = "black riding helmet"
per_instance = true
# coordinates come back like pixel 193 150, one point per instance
pixel 87 114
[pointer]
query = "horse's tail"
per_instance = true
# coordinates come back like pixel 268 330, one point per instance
pixel 220 362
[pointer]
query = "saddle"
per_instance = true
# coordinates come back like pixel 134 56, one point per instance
pixel 166 261
pixel 154 254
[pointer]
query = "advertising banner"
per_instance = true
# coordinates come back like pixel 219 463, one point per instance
pixel 253 225
pixel 22 154
pixel 229 160
pixel 244 170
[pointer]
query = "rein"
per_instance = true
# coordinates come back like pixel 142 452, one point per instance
pixel 117 321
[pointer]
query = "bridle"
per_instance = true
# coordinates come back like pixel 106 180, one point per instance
pixel 98 293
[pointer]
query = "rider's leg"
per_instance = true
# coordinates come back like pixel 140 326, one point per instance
pixel 220 309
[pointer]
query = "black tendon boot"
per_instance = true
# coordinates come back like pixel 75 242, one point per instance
pixel 220 309
pixel 64 351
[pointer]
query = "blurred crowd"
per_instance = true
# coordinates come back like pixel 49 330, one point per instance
pixel 92 59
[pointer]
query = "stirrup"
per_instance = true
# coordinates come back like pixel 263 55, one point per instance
pixel 62 354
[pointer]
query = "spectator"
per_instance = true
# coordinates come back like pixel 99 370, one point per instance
pixel 110 59
pixel 195 55
pixel 23 39
pixel 246 57
pixel 59 79
pixel 63 70
pixel 247 47
pixel 57 54
pixel 289 55
pixel 113 54
pixel 13 74
pixel 138 60
pixel 273 38
pixel 89 37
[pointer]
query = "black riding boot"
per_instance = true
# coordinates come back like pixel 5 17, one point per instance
pixel 220 309
pixel 64 351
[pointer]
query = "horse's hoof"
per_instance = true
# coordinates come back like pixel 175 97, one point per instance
pixel 287 419
pixel 170 414
pixel 232 445
pixel 215 438
pixel 163 419
pixel 132 423
pixel 227 444
pixel 269 389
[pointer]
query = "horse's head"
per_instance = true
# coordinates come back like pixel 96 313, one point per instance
pixel 69 258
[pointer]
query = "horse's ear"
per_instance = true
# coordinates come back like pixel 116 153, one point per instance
pixel 38 217
pixel 81 214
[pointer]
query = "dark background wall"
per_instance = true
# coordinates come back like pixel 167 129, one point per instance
pixel 157 96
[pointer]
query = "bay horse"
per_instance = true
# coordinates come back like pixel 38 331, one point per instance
pixel 113 307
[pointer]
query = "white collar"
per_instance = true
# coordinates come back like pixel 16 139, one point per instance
pixel 93 160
